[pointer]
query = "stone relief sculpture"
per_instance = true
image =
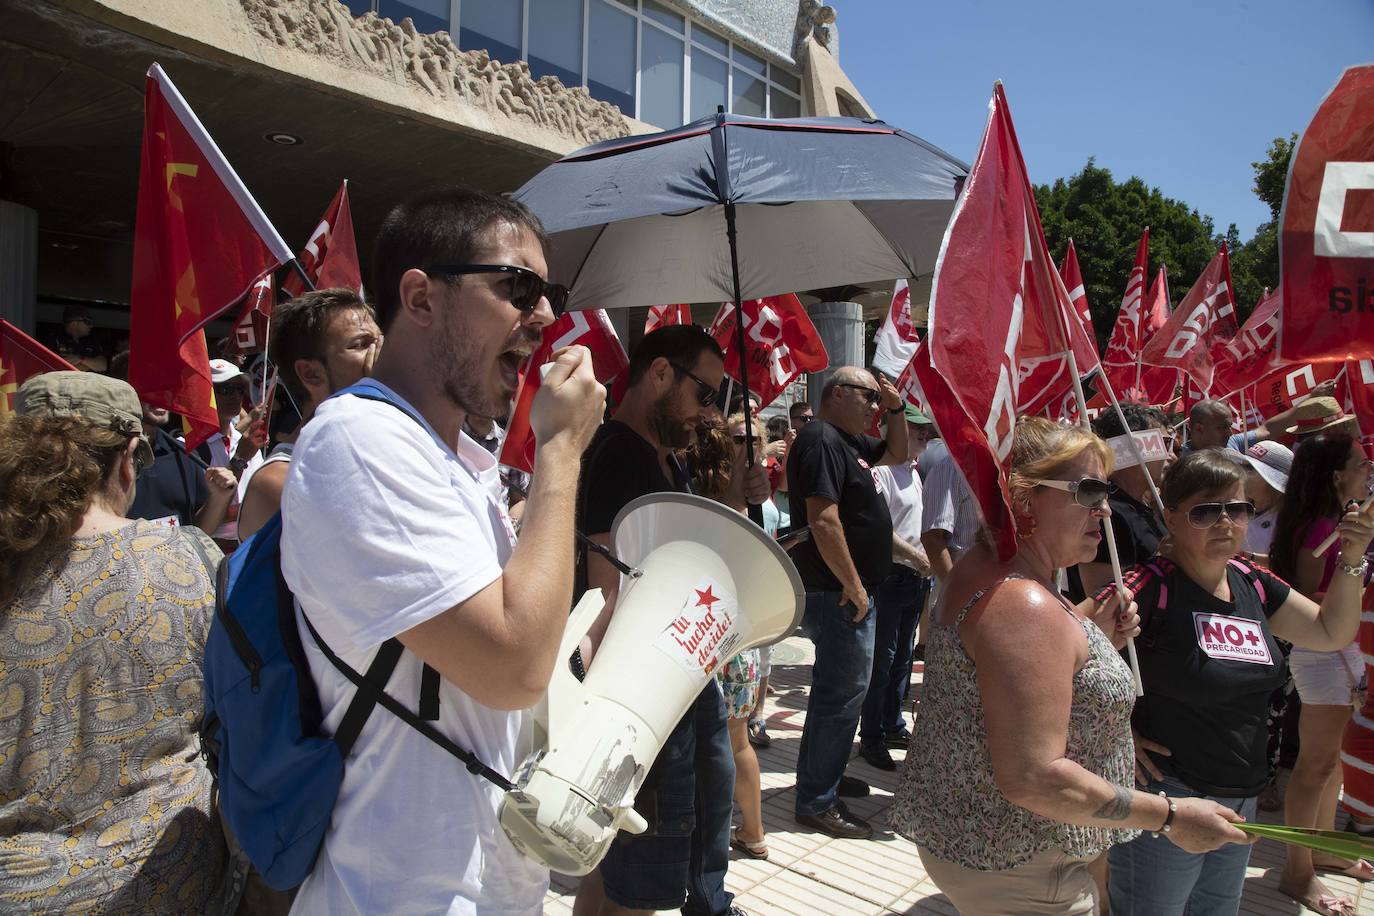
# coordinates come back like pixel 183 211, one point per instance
pixel 433 64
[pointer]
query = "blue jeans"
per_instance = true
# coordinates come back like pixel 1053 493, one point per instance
pixel 897 603
pixel 1150 875
pixel 839 680
pixel 687 851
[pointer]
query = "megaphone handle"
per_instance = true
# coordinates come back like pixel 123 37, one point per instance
pixel 756 514
pixel 604 552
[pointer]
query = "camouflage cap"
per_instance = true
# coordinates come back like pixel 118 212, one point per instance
pixel 106 402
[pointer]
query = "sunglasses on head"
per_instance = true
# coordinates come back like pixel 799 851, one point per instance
pixel 707 394
pixel 1205 515
pixel 1090 492
pixel 872 395
pixel 526 287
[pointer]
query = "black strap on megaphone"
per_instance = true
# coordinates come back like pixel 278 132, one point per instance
pixel 604 552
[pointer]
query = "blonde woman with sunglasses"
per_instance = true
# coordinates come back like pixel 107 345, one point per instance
pixel 1209 661
pixel 1018 777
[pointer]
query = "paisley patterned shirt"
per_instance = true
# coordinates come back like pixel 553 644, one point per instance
pixel 105 803
pixel 947 800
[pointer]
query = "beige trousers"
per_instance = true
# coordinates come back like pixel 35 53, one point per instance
pixel 1050 882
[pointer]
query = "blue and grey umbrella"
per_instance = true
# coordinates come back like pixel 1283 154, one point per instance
pixel 732 207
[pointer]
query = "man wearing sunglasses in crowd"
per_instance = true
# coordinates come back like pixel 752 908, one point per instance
pixel 1136 524
pixel 830 476
pixel 674 376
pixel 390 532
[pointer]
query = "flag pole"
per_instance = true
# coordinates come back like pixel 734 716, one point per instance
pixel 1134 446
pixel 1107 521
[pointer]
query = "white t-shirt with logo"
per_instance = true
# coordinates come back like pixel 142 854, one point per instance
pixel 385 527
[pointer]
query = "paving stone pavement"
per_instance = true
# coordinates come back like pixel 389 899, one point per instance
pixel 808 873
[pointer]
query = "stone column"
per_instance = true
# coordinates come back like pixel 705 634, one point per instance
pixel 841 326
pixel 19 265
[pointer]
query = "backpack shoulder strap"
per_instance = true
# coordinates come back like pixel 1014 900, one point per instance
pixel 380 696
pixel 429 678
pixel 1252 575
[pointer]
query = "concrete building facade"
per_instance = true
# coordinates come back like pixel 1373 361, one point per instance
pixel 392 95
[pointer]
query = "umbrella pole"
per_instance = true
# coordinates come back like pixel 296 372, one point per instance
pixel 741 347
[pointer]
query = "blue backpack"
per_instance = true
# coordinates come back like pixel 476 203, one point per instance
pixel 278 777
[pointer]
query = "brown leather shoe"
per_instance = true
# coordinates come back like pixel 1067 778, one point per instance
pixel 837 822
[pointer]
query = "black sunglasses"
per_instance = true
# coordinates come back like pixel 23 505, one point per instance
pixel 741 438
pixel 802 420
pixel 871 394
pixel 1205 515
pixel 526 288
pixel 706 394
pixel 1090 492
pixel 228 388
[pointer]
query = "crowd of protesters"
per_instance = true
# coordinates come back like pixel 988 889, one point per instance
pixel 1034 778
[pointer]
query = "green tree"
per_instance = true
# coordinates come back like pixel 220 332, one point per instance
pixel 1255 264
pixel 1105 218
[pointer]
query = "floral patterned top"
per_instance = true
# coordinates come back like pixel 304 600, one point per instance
pixel 947 800
pixel 105 802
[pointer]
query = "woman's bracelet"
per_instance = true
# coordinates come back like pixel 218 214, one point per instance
pixel 1168 818
pixel 1354 571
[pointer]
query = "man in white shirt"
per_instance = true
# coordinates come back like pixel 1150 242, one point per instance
pixel 388 531
pixel 949 515
pixel 898 602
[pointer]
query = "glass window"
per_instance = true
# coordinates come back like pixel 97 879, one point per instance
pixel 709 76
pixel 711 40
pixel 556 40
pixel 660 78
pixel 784 79
pixel 782 104
pixel 493 26
pixel 428 15
pixel 664 16
pixel 611 56
pixel 750 95
pixel 749 62
pixel 358 7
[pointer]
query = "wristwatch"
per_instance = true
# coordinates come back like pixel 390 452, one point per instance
pixel 892 412
pixel 237 465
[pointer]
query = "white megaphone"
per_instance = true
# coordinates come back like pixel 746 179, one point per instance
pixel 707 584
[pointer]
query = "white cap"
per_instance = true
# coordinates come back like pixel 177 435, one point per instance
pixel 221 371
pixel 1271 461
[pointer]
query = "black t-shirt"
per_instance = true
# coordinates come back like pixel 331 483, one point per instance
pixel 824 461
pixel 1138 534
pixel 1208 667
pixel 174 485
pixel 619 466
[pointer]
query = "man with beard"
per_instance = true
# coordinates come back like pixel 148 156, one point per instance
pixel 388 532
pixel 675 374
pixel 322 342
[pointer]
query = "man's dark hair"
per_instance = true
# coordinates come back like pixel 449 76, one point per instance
pixel 119 366
pixel 298 329
pixel 777 428
pixel 446 226
pixel 680 344
pixel 1138 416
pixel 797 407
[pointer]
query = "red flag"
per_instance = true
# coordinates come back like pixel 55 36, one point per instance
pixel 1205 322
pixel 997 302
pixel 660 316
pixel 1254 351
pixel 1289 384
pixel 896 339
pixel 250 330
pixel 590 328
pixel 21 358
pixel 1326 246
pixel 330 257
pixel 200 243
pixel 1359 377
pixel 1078 298
pixel 1121 362
pixel 1155 385
pixel 782 343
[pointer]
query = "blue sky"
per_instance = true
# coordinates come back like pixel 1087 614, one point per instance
pixel 1183 94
